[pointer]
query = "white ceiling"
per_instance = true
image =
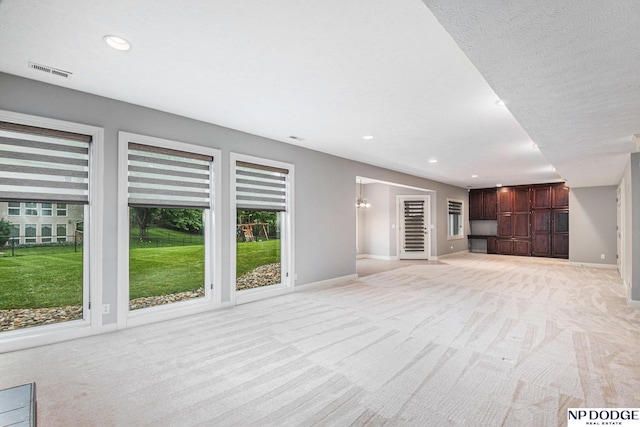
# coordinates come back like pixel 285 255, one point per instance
pixel 332 71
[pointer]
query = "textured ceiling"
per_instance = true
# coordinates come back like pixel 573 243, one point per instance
pixel 569 72
pixel 330 72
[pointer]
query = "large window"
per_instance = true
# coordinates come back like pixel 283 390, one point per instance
pixel 31 209
pixel 455 229
pixel 14 209
pixel 169 213
pixel 41 283
pixel 262 214
pixel 61 233
pixel 45 233
pixel 47 209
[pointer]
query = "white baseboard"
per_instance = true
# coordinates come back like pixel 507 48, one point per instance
pixel 379 257
pixel 593 265
pixel 323 283
pixel 634 304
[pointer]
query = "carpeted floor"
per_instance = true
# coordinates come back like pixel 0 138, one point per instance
pixel 472 340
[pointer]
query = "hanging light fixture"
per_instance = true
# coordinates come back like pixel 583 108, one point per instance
pixel 361 201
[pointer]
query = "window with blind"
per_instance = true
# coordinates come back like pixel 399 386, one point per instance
pixel 41 168
pixel 455 229
pixel 262 202
pixel 169 193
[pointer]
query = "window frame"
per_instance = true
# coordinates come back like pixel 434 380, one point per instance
pixel 31 210
pixel 213 247
pixel 44 238
pixel 64 210
pixel 287 239
pixel 46 210
pixel 92 322
pixel 9 207
pixel 462 218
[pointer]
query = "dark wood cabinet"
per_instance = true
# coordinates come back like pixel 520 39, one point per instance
pixel 522 247
pixel 475 204
pixel 521 222
pixel 505 225
pixel 560 233
pixel 541 232
pixel 521 203
pixel 541 197
pixel 560 196
pixel 504 246
pixel 505 200
pixel 482 204
pixel 492 245
pixel 531 220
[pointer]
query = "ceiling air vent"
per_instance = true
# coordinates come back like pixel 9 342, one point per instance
pixel 50 70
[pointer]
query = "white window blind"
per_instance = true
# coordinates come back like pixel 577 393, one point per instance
pixel 260 187
pixel 414 227
pixel 163 177
pixel 43 165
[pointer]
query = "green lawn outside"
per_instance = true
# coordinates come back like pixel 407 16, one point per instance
pixel 40 281
pixel 250 255
pixel 162 271
pixel 52 276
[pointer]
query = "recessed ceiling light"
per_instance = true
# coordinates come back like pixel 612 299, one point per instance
pixel 500 103
pixel 367 137
pixel 117 42
pixel 433 160
pixel 297 138
pixel 498 185
pixel 474 176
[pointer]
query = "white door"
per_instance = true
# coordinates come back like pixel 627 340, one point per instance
pixel 414 241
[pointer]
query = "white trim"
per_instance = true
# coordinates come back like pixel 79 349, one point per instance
pixel 326 283
pixel 92 258
pixel 287 235
pixel 380 257
pixel 257 294
pixel 593 265
pixel 634 304
pixel 213 229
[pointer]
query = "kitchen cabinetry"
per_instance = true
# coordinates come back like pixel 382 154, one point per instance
pixel 531 220
pixel 482 204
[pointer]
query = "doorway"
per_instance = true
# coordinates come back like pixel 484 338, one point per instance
pixel 413 234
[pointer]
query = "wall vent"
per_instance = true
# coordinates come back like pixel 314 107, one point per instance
pixel 50 70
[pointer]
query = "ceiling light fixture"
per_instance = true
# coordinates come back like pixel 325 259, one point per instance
pixel 498 185
pixel 500 103
pixel 367 137
pixel 474 176
pixel 433 160
pixel 361 201
pixel 117 43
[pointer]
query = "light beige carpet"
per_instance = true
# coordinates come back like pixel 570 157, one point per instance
pixel 475 340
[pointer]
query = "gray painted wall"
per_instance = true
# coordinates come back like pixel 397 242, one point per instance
pixel 628 226
pixel 325 244
pixel 378 231
pixel 633 209
pixel 592 225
